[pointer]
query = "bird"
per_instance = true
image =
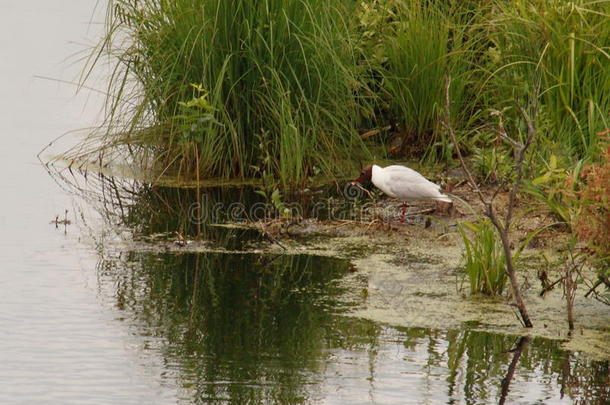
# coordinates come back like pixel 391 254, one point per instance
pixel 403 183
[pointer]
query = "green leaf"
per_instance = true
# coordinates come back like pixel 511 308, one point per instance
pixel 545 178
pixel 553 162
pixel 198 87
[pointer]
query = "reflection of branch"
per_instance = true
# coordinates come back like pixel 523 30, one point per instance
pixel 195 286
pixel 521 344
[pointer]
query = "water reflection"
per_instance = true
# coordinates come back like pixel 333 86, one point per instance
pixel 241 327
pixel 247 328
pixel 154 209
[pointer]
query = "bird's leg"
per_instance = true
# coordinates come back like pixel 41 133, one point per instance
pixel 404 211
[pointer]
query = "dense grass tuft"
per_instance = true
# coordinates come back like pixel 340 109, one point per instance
pixel 215 78
pixel 430 41
pixel 558 52
pixel 485 263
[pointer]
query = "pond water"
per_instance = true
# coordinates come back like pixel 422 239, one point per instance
pixel 86 320
pixel 249 328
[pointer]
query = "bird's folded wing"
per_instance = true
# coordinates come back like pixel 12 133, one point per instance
pixel 410 184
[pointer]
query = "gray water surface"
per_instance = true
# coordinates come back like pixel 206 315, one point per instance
pixel 83 320
pixel 60 342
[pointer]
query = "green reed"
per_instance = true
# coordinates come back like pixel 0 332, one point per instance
pixel 485 263
pixel 197 82
pixel 431 40
pixel 558 52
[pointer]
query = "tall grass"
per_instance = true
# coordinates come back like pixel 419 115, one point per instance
pixel 206 79
pixel 278 87
pixel 558 51
pixel 431 40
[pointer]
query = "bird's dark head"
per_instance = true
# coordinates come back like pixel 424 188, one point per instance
pixel 365 175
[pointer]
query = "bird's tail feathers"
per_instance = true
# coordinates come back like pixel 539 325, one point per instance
pixel 445 198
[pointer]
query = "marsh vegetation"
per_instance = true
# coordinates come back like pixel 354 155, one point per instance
pixel 203 89
pixel 288 94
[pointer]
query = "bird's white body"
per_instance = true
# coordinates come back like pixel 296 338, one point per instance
pixel 406 184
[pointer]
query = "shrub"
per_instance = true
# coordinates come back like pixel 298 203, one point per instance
pixel 593 220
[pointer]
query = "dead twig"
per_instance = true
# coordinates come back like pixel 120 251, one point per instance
pixel 420 212
pixel 503 227
pixel 365 190
pixel 550 286
pixel 593 290
pixel 270 237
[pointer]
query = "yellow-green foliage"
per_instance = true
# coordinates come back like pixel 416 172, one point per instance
pixel 555 187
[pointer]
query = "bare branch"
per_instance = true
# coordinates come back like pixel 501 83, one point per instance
pixel 518 166
pixel 447 124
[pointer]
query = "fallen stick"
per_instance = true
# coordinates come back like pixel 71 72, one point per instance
pixel 373 132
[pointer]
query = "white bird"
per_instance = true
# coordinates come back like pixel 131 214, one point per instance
pixel 403 183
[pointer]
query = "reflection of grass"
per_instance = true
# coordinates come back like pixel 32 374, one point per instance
pixel 256 329
pixel 155 210
pixel 244 326
pixel 477 359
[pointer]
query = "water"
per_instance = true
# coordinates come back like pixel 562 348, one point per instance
pixel 248 328
pixel 60 343
pixel 84 320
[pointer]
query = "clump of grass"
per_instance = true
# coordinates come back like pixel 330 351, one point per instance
pixel 197 81
pixel 485 262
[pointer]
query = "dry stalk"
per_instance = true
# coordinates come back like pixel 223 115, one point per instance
pixel 503 227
